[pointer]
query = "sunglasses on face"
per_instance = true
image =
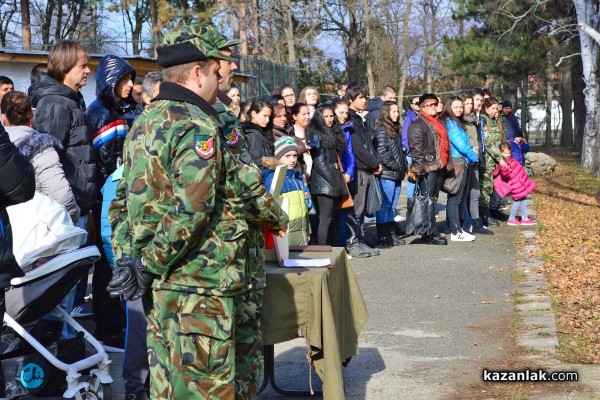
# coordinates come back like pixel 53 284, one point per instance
pixel 430 105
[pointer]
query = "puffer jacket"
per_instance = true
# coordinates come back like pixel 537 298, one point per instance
pixel 513 180
pixel 326 178
pixel 518 151
pixel 43 150
pixel 390 153
pixel 364 152
pixel 60 112
pixel 299 200
pixel 348 161
pixel 106 116
pixel 257 142
pixel 460 144
pixel 410 117
pixel 425 148
pixel 17 185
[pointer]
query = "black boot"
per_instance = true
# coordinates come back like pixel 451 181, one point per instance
pixel 487 219
pixel 436 239
pixel 396 239
pixel 496 214
pixel 479 228
pixel 383 238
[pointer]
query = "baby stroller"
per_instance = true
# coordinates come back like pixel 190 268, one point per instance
pixel 48 248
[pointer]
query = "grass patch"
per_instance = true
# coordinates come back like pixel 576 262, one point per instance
pixel 544 334
pixel 518 276
pixel 519 292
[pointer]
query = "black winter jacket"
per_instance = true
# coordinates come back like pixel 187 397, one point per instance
pixel 326 176
pixel 259 145
pixel 17 184
pixel 364 152
pixel 374 108
pixel 390 153
pixel 106 116
pixel 60 112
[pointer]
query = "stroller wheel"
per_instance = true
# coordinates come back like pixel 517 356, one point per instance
pixel 97 390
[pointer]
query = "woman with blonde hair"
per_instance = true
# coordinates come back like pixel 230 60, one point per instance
pixel 310 96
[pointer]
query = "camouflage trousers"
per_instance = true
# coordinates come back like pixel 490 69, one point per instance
pixel 204 347
pixel 486 183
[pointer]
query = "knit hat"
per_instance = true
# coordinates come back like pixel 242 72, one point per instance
pixel 283 145
pixel 192 43
pixel 427 96
pixel 506 103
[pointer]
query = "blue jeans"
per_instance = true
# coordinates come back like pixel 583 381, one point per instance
pixel 410 186
pixel 390 191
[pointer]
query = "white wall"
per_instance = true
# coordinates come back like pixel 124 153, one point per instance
pixel 20 72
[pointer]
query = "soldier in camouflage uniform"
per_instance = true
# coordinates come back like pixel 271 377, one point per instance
pixel 492 137
pixel 181 226
pixel 249 358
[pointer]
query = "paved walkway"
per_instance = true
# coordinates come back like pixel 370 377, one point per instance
pixel 439 315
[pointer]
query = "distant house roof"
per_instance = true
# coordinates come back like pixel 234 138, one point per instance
pixel 142 64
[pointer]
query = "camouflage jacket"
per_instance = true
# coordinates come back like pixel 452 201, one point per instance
pixel 494 135
pixel 178 204
pixel 261 210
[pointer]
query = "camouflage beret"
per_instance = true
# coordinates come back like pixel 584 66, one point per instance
pixel 192 43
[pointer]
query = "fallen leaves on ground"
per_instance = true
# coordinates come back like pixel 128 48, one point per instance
pixel 568 213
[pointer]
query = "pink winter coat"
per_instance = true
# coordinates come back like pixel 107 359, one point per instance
pixel 513 180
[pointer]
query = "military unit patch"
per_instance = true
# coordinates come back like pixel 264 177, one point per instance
pixel 233 138
pixel 204 146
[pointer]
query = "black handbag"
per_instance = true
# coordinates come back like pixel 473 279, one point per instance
pixel 374 196
pixel 454 178
pixel 420 221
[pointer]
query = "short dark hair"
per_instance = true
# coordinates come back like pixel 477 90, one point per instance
pixel 275 99
pixel 5 80
pixel 342 84
pixel 354 90
pixel 478 92
pixel 38 69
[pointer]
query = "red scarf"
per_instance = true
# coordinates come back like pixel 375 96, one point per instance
pixel 442 135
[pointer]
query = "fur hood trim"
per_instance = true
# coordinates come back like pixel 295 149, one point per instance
pixel 270 162
pixel 32 144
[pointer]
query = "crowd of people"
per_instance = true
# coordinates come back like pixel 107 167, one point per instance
pixel 171 174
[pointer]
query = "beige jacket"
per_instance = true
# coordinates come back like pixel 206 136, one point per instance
pixel 43 153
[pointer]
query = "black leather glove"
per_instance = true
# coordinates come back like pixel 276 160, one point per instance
pixel 123 283
pixel 142 275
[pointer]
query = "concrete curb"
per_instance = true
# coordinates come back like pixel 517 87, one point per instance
pixel 540 337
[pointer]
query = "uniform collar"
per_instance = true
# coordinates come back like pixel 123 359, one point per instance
pixel 173 91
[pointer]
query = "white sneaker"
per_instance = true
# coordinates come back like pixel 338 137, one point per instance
pixel 462 236
pixel 399 218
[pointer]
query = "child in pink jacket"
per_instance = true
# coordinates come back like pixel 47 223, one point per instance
pixel 511 178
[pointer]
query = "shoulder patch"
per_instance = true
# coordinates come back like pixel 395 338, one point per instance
pixel 233 139
pixel 204 146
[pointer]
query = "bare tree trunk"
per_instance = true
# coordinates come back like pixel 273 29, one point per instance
pixel 353 42
pixel 154 24
pixel 26 22
pixel 524 89
pixel 590 153
pixel 566 136
pixel 368 58
pixel 431 51
pixel 289 33
pixel 578 86
pixel 405 39
pixel 255 28
pixel 548 118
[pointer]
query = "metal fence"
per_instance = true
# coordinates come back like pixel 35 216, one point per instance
pixel 264 77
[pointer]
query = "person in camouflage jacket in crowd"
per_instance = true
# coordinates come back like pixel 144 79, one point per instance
pixel 492 135
pixel 180 223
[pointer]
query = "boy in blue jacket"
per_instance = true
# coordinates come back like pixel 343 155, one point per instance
pixel 519 147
